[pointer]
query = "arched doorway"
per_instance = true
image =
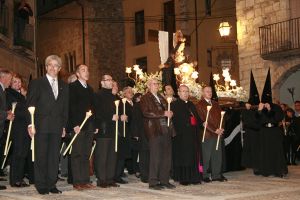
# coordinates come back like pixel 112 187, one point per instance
pixel 290 79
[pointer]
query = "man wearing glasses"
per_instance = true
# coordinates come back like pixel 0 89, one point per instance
pixel 105 155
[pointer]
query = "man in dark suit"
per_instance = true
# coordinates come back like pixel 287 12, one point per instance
pixel 154 108
pixel 50 97
pixel 5 80
pixel 81 101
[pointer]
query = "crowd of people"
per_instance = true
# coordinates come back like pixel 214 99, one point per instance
pixel 161 136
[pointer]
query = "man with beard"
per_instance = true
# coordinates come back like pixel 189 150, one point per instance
pixel 105 155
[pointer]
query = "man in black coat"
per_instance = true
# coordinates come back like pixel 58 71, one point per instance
pixel 50 97
pixel 5 80
pixel 105 155
pixel 81 101
pixel 124 153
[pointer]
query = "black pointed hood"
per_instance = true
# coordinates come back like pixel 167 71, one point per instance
pixel 253 92
pixel 266 96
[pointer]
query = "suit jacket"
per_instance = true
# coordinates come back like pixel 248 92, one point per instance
pixel 51 114
pixel 81 101
pixel 3 113
pixel 214 118
pixel 155 123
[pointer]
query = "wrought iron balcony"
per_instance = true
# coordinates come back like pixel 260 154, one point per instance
pixel 26 39
pixel 279 40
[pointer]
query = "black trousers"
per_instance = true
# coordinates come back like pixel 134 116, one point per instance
pixel 144 159
pixel 20 150
pixel 212 158
pixel 80 165
pixel 105 160
pixel 47 146
pixel 160 159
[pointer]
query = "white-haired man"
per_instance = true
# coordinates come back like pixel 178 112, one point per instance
pixel 50 97
pixel 159 134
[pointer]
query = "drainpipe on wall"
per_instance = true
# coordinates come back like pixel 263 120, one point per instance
pixel 82 29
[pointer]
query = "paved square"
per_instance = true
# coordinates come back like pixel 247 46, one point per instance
pixel 242 185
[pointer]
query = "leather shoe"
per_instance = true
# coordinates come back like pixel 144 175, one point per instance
pixel 89 186
pixel 168 185
pixel 113 184
pixel 222 179
pixel 55 191
pixel 2 187
pixel 156 187
pixel 121 181
pixel 43 191
pixel 103 185
pixel 20 184
pixel 206 180
pixel 78 187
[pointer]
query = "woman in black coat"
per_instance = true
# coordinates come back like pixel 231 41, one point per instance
pixel 19 135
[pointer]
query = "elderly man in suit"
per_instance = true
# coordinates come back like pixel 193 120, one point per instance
pixel 50 96
pixel 154 109
pixel 212 158
pixel 5 80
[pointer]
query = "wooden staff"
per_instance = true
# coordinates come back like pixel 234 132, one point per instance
pixel 62 146
pixel 284 127
pixel 13 106
pixel 87 115
pixel 117 102
pixel 31 111
pixel 93 148
pixel 222 116
pixel 124 113
pixel 8 148
pixel 169 100
pixel 207 114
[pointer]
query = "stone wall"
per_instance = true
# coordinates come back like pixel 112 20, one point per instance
pixel 104 42
pixel 252 14
pixel 16 59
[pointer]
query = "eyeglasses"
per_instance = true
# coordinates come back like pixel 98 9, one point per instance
pixel 53 65
pixel 107 80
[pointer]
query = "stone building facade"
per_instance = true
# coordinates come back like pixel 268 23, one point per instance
pixel 253 14
pixel 77 31
pixel 16 54
pixel 205 45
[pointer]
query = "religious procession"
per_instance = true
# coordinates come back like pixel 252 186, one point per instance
pixel 149 99
pixel 159 127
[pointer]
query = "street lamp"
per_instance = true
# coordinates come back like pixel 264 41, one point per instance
pixel 224 29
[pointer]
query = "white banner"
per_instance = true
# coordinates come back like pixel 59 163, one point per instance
pixel 163 43
pixel 236 130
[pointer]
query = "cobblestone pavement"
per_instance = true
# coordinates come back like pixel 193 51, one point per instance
pixel 242 185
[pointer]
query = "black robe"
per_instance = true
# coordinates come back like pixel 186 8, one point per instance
pixel 271 157
pixel 251 126
pixel 186 143
pixel 124 142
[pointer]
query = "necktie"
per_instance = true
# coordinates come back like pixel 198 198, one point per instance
pixel 54 87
